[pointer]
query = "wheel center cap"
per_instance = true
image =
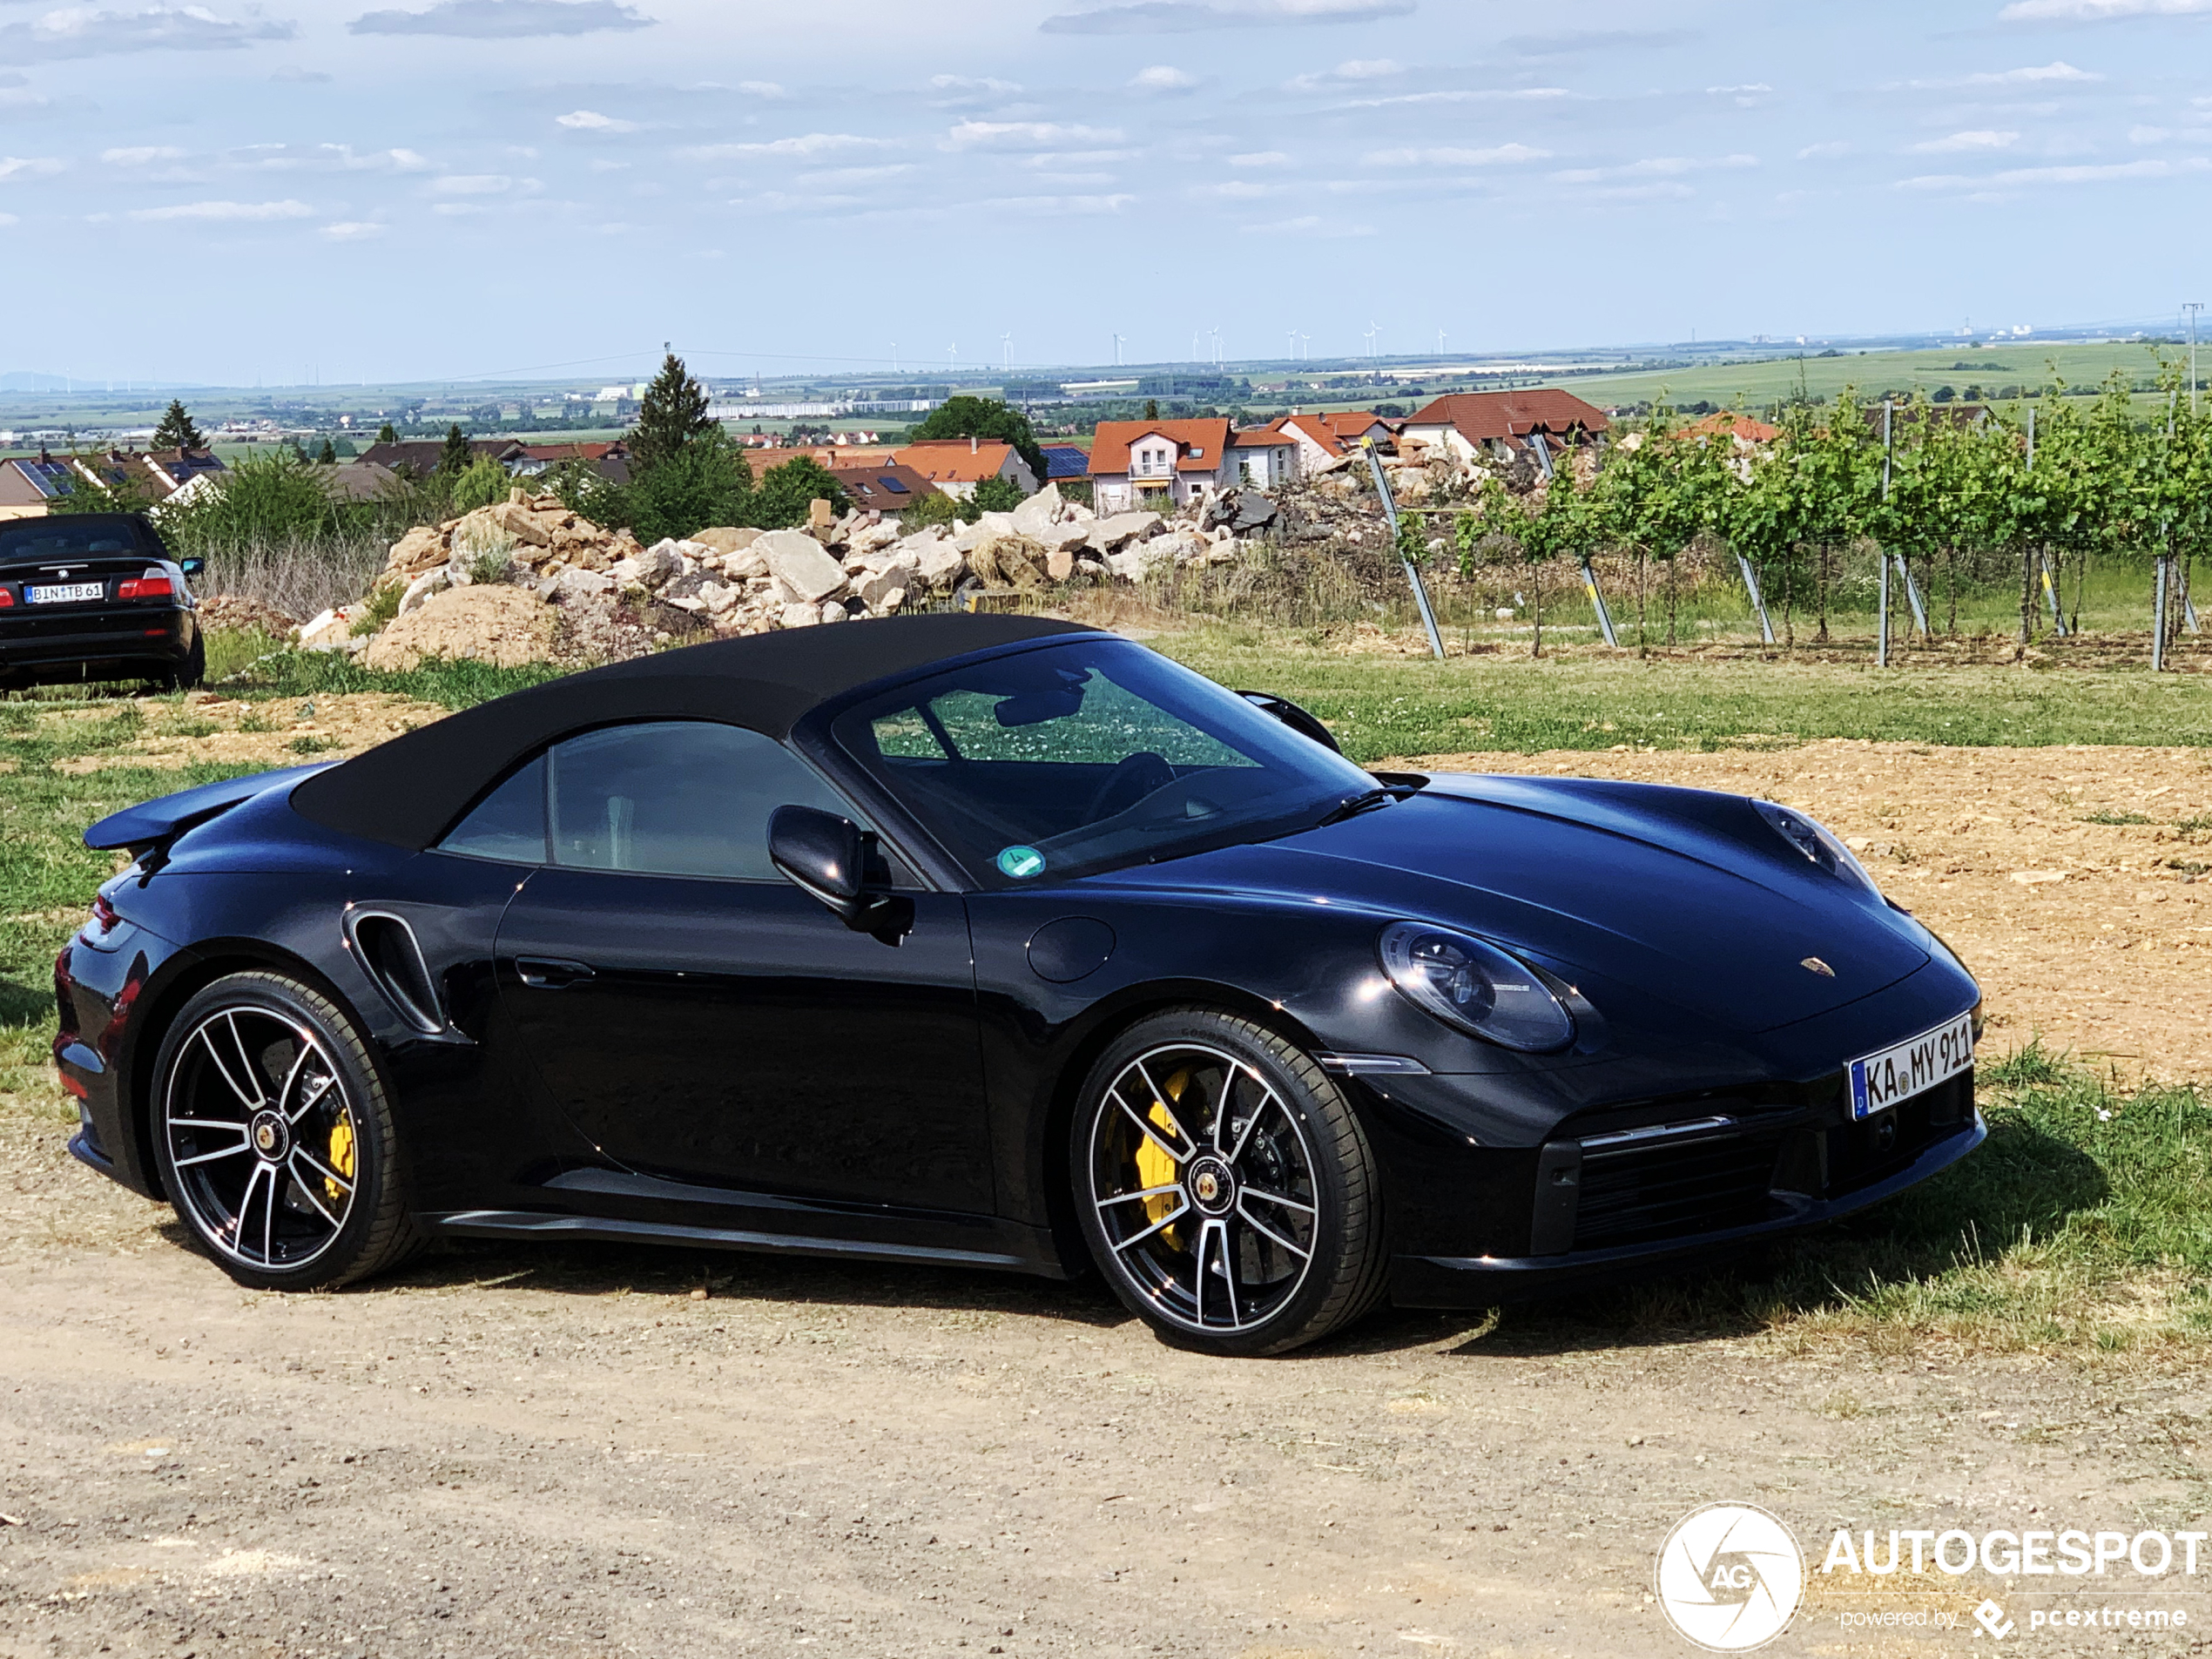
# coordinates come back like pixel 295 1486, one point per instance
pixel 1213 1188
pixel 271 1135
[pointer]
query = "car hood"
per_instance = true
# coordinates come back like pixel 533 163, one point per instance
pixel 1685 895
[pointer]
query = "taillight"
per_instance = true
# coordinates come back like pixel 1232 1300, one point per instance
pixel 104 919
pixel 154 585
pixel 7 597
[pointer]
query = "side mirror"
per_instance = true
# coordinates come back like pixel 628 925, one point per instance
pixel 192 567
pixel 1293 717
pixel 835 861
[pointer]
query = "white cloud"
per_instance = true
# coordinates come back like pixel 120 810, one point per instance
pixel 1826 150
pixel 2078 173
pixel 2098 10
pixel 806 148
pixel 1235 190
pixel 2058 73
pixel 353 230
pixel 278 158
pixel 1060 206
pixel 457 209
pixel 762 88
pixel 592 121
pixel 1654 167
pixel 1182 17
pixel 1260 158
pixel 81 31
pixel 845 177
pixel 1026 135
pixel 504 19
pixel 1308 225
pixel 1162 77
pixel 473 184
pixel 142 155
pixel 215 211
pixel 7 219
pixel 1447 156
pixel 292 74
pixel 1352 72
pixel 1959 142
pixel 29 166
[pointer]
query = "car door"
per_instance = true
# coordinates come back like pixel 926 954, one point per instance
pixel 698 1017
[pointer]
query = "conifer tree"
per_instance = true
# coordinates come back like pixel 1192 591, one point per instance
pixel 454 459
pixel 177 430
pixel 672 416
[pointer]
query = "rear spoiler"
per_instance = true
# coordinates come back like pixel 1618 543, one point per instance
pixel 152 822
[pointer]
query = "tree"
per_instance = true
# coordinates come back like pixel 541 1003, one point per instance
pixel 387 433
pixel 787 493
pixel 177 430
pixel 997 495
pixel 967 417
pixel 671 418
pixel 327 456
pixel 454 459
pixel 1151 409
pixel 110 487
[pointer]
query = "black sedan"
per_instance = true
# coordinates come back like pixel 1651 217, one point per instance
pixel 95 597
pixel 1004 943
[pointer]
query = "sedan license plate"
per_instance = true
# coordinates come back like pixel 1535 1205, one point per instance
pixel 1879 1080
pixel 64 593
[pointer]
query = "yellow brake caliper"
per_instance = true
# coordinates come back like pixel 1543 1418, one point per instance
pixel 1154 1167
pixel 342 1158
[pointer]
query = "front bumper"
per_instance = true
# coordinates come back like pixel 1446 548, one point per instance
pixel 1752 1186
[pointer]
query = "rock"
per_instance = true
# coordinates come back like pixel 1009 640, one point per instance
pixel 505 626
pixel 820 519
pixel 1010 561
pixel 743 564
pixel 894 579
pixel 873 537
pixel 519 522
pixel 422 587
pixel 481 532
pixel 719 598
pixel 800 564
pixel 328 631
pixel 891 599
pixel 418 551
pixel 1111 534
pixel 576 581
pixel 1060 564
pixel 942 565
pixel 687 585
pixel 1034 515
pixel 655 565
pixel 726 538
pixel 799 615
pixel 1128 567
pixel 833 612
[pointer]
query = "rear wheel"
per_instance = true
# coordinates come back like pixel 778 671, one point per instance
pixel 188 674
pixel 1225 1187
pixel 275 1138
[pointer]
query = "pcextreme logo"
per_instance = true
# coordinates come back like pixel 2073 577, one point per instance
pixel 1730 1575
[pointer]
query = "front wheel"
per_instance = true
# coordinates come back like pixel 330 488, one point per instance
pixel 275 1139
pixel 1225 1187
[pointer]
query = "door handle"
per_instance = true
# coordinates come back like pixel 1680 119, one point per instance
pixel 551 973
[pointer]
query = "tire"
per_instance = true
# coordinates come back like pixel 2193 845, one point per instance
pixel 315 1200
pixel 187 675
pixel 1241 1233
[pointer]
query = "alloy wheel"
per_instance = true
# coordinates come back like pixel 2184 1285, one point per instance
pixel 1203 1187
pixel 262 1137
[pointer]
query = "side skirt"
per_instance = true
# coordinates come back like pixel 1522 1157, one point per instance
pixel 511 1224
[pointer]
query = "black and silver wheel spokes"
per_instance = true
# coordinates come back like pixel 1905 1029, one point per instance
pixel 262 1137
pixel 1204 1186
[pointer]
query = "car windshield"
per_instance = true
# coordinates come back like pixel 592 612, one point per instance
pixel 1089 756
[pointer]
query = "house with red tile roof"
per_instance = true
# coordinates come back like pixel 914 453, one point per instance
pixel 1264 457
pixel 1502 426
pixel 957 465
pixel 1159 463
pixel 1745 428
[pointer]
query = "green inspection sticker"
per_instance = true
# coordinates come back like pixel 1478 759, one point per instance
pixel 1022 862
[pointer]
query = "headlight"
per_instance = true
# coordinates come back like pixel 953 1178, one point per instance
pixel 1817 843
pixel 1475 986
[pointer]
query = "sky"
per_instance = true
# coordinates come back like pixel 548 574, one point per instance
pixel 296 190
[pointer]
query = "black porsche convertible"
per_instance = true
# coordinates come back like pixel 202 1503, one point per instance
pixel 1005 943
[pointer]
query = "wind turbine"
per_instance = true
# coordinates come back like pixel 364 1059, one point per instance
pixel 894 357
pixel 1117 351
pixel 1439 342
pixel 1005 349
pixel 1216 332
pixel 1195 333
pixel 952 353
pixel 1293 345
pixel 1305 342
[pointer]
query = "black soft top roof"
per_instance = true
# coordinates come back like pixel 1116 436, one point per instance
pixel 408 790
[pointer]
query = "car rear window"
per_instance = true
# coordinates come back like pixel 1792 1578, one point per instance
pixel 40 540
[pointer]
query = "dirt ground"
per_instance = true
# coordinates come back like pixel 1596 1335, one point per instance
pixel 210 729
pixel 570 1450
pixel 2095 935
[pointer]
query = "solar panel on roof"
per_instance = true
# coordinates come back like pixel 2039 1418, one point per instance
pixel 891 484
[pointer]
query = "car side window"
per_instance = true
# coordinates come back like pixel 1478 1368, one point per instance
pixel 675 798
pixel 509 824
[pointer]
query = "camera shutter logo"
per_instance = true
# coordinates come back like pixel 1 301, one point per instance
pixel 1731 1577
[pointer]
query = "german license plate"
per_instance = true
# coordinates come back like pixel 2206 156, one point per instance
pixel 1879 1080
pixel 64 593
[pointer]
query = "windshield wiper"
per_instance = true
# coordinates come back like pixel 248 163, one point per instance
pixel 1352 806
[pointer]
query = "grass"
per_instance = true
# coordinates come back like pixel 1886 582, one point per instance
pixel 1380 705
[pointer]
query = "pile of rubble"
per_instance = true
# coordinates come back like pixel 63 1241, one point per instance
pixel 528 580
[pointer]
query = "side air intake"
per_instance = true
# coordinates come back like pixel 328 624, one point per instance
pixel 389 954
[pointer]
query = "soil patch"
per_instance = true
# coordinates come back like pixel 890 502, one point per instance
pixel 213 730
pixel 506 627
